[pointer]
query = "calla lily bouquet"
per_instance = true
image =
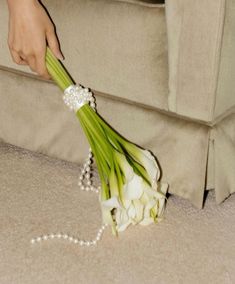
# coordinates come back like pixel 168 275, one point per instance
pixel 131 192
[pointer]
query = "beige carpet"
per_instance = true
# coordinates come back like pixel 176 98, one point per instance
pixel 39 194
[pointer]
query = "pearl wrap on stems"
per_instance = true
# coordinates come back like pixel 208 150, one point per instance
pixel 75 97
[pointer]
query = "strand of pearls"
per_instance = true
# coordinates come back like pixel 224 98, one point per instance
pixel 70 238
pixel 85 182
pixel 75 97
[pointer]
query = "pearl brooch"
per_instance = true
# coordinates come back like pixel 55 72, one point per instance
pixel 75 96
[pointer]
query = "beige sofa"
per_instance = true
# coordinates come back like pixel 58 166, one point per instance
pixel 163 75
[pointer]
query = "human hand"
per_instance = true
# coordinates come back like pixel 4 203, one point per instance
pixel 30 31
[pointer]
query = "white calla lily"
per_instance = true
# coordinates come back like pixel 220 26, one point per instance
pixel 134 188
pixel 147 160
pixel 125 166
pixel 111 203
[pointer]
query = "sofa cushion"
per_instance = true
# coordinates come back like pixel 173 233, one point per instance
pixel 115 47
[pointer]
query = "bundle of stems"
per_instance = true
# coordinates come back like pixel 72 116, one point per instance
pixel 130 190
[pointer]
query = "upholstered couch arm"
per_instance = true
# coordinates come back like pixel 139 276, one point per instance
pixel 201 44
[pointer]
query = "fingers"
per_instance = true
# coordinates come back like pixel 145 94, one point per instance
pixel 34 59
pixel 40 64
pixel 32 62
pixel 17 58
pixel 53 43
pixel 34 56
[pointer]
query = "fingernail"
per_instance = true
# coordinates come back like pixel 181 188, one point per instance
pixel 60 56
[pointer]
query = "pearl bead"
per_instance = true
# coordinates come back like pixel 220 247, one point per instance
pixel 85 173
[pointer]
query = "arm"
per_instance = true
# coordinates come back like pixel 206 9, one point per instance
pixel 30 31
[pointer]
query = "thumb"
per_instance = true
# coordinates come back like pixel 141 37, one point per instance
pixel 53 43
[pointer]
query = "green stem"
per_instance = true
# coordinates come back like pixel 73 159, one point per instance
pixel 94 146
pixel 104 146
pixel 57 71
pixel 107 131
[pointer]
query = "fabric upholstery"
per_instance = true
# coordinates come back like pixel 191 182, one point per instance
pixel 225 99
pixel 115 47
pixel 37 119
pixel 201 43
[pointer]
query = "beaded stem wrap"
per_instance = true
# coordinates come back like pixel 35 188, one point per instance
pixel 75 97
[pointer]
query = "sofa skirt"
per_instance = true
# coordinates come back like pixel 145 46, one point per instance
pixel 192 156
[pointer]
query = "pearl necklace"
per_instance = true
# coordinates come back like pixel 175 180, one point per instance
pixel 70 98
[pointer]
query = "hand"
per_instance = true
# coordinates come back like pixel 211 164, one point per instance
pixel 30 31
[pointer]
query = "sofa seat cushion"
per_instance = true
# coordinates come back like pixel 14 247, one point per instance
pixel 115 47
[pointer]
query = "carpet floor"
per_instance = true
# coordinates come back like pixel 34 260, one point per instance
pixel 39 195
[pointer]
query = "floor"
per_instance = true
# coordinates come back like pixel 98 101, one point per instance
pixel 39 195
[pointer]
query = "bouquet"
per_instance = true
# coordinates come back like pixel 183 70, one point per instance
pixel 130 191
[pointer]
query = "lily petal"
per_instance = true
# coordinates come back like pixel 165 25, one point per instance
pixel 111 203
pixel 131 212
pixel 133 189
pixel 150 164
pixel 147 221
pixel 139 209
pixel 125 166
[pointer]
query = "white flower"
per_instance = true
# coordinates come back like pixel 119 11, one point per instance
pixel 141 203
pixel 146 159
